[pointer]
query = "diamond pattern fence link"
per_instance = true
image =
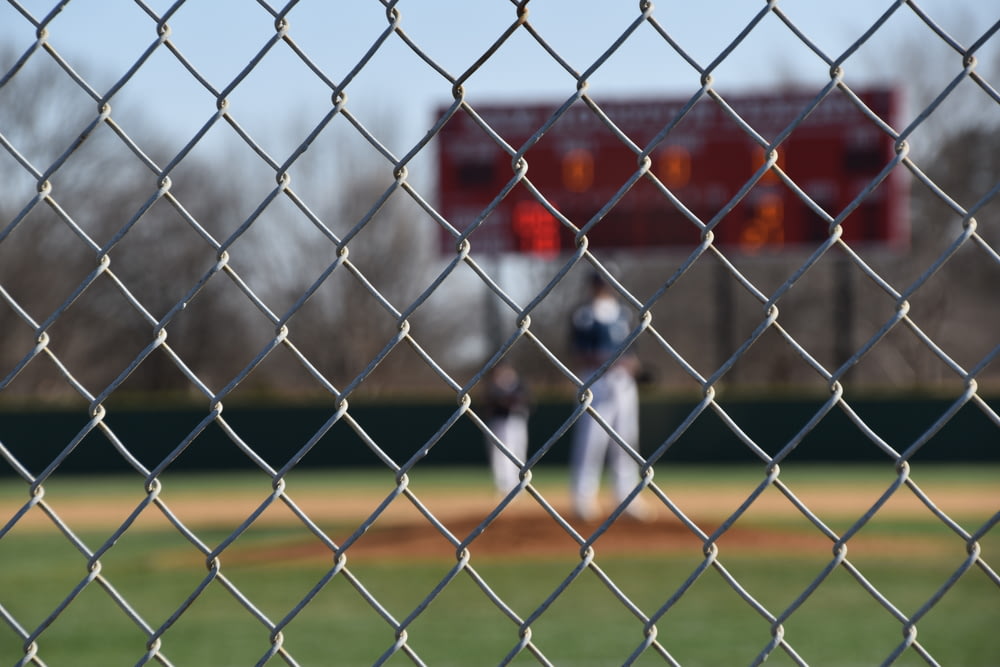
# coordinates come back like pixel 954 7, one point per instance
pixel 44 329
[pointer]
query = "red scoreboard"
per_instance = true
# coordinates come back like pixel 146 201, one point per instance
pixel 579 165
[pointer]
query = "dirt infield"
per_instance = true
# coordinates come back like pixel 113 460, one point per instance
pixel 542 537
pixel 524 529
pixel 772 524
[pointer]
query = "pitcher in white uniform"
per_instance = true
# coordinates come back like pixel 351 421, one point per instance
pixel 599 328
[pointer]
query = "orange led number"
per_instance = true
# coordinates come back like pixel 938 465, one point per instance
pixel 673 167
pixel 766 227
pixel 578 170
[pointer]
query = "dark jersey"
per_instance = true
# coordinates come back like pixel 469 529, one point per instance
pixel 599 328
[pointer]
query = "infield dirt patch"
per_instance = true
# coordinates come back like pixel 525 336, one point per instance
pixel 527 530
pixel 771 525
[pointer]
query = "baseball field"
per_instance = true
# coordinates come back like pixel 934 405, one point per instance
pixel 92 594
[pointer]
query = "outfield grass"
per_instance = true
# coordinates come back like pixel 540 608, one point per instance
pixel 711 625
pixel 155 569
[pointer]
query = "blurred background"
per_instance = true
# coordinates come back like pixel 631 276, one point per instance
pixel 225 191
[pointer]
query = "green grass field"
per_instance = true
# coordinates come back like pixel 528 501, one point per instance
pixel 156 569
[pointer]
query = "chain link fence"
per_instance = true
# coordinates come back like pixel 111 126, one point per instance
pixel 136 261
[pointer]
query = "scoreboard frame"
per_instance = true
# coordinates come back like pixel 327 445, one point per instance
pixel 581 163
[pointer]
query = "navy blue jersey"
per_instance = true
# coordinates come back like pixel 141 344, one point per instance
pixel 599 328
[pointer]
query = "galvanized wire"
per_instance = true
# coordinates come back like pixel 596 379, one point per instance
pixel 235 271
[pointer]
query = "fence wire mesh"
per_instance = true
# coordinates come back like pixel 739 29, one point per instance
pixel 139 260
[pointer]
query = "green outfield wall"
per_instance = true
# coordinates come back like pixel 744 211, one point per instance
pixel 402 430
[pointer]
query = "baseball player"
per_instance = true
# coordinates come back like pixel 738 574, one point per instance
pixel 599 327
pixel 507 405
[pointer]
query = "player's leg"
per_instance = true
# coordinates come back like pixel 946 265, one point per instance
pixel 505 472
pixel 624 469
pixel 589 448
pixel 517 443
pixel 589 445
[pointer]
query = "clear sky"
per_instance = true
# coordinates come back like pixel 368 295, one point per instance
pixel 398 92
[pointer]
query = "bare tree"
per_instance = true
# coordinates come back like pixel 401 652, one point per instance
pixel 363 255
pixel 106 251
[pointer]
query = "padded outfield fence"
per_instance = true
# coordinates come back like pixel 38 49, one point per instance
pixel 233 265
